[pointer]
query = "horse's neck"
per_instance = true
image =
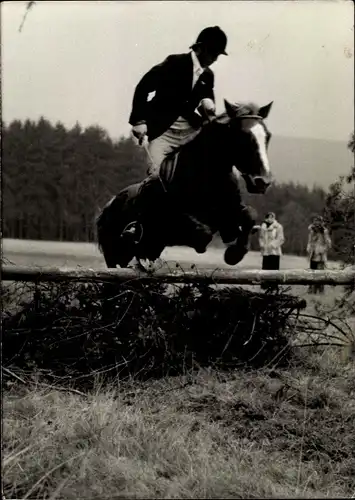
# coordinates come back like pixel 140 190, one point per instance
pixel 210 147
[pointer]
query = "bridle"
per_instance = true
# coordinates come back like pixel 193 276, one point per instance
pixel 209 119
pixel 256 117
pixel 244 117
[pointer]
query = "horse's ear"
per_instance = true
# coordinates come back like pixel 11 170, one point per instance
pixel 229 108
pixel 265 110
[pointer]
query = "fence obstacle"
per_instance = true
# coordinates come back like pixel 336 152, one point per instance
pixel 179 275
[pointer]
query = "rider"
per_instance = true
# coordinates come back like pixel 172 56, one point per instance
pixel 175 98
pixel 172 101
pixel 166 99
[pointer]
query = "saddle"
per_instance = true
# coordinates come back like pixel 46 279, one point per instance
pixel 156 186
pixel 168 167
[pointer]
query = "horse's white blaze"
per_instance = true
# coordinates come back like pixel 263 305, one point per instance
pixel 259 133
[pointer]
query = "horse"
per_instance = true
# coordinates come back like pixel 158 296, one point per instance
pixel 195 195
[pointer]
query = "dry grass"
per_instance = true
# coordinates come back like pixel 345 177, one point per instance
pixel 243 435
pixel 280 434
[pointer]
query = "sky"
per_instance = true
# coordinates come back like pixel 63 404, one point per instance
pixel 80 61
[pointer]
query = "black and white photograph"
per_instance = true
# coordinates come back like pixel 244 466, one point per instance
pixel 178 249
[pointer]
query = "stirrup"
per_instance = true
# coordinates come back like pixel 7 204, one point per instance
pixel 131 230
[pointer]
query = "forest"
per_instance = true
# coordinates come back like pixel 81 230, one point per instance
pixel 55 180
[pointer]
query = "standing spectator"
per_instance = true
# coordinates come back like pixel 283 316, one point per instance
pixel 271 238
pixel 319 243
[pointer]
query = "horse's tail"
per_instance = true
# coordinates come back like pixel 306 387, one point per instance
pixel 102 225
pixel 99 230
pixel 110 223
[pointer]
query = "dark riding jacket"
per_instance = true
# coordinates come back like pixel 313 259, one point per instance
pixel 174 96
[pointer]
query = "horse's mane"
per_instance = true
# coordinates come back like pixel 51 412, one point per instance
pixel 240 109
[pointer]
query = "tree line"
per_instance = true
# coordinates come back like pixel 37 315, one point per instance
pixel 340 212
pixel 56 180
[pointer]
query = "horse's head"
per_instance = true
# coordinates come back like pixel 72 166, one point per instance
pixel 248 139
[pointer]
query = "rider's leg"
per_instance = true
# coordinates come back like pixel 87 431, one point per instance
pixel 158 149
pixel 178 135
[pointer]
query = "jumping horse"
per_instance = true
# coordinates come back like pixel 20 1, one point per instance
pixel 195 195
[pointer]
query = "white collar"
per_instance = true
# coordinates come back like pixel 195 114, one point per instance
pixel 198 69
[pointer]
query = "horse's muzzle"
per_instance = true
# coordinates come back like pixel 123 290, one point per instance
pixel 258 184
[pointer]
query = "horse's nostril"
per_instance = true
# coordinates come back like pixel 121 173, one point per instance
pixel 257 184
pixel 261 182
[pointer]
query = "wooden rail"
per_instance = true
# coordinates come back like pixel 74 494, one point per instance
pixel 168 275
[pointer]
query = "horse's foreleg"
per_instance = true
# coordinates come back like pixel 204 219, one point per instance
pixel 188 230
pixel 202 234
pixel 235 234
pixel 110 261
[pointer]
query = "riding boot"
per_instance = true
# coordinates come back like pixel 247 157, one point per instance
pixel 133 231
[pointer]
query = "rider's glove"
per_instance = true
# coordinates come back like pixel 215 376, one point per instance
pixel 207 108
pixel 140 131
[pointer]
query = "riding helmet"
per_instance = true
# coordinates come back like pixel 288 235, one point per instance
pixel 213 38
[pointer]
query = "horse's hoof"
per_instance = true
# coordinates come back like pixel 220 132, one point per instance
pixel 145 265
pixel 205 238
pixel 234 254
pixel 200 249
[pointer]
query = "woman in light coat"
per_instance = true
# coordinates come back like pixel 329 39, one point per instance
pixel 271 239
pixel 318 245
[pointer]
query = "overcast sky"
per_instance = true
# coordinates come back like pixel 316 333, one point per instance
pixel 80 61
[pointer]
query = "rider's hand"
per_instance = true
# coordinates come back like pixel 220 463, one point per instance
pixel 207 108
pixel 140 131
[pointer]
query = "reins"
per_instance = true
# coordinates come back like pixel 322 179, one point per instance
pixel 157 167
pixel 210 120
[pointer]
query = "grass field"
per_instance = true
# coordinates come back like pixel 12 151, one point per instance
pixel 47 253
pixel 286 433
